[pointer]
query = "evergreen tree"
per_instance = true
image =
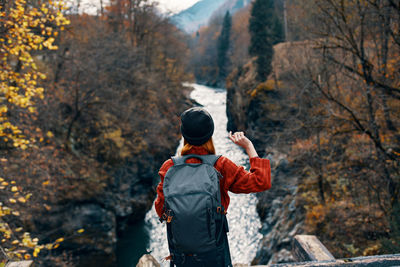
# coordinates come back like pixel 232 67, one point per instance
pixel 265 31
pixel 223 46
pixel 276 32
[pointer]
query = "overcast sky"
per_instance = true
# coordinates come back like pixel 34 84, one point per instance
pixel 166 6
pixel 175 5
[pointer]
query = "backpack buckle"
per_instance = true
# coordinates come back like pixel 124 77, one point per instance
pixel 169 219
pixel 221 210
pixel 166 216
pixel 169 216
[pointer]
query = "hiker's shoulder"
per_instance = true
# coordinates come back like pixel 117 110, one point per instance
pixel 224 162
pixel 166 165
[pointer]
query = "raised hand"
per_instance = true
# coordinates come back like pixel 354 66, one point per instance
pixel 241 140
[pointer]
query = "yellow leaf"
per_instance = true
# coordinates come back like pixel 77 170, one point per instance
pixel 14 189
pixel 12 200
pixel 61 239
pixel 36 251
pixel 21 199
pixel 80 231
pixel 15 213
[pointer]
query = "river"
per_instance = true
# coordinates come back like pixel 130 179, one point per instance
pixel 244 223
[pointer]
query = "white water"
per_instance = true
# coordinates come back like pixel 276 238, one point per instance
pixel 243 219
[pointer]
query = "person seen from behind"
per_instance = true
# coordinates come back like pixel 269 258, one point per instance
pixel 192 196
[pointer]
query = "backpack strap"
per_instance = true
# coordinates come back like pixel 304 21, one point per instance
pixel 210 159
pixel 207 159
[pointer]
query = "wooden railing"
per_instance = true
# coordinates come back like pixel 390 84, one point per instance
pixel 306 249
pixel 309 251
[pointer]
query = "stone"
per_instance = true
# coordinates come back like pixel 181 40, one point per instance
pixel 295 230
pixel 19 264
pixel 147 261
pixel 281 256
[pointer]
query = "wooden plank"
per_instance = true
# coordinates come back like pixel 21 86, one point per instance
pixel 19 264
pixel 392 260
pixel 309 248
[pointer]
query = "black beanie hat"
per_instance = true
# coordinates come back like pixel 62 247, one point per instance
pixel 197 126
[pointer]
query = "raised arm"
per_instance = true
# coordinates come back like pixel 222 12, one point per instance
pixel 241 140
pixel 237 179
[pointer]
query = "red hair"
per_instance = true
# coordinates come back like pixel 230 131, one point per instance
pixel 209 146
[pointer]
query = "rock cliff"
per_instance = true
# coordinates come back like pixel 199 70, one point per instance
pixel 123 201
pixel 251 107
pixel 281 219
pixel 259 109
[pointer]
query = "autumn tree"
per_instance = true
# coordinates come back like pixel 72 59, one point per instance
pixel 368 57
pixel 112 87
pixel 240 38
pixel 300 25
pixel 26 29
pixel 110 93
pixel 343 88
pixel 204 53
pixel 333 108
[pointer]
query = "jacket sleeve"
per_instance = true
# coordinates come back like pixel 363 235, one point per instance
pixel 159 204
pixel 238 180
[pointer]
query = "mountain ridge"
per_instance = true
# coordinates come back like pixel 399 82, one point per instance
pixel 192 18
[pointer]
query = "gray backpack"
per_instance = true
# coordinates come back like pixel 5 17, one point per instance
pixel 192 208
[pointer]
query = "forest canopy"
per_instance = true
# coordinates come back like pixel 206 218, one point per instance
pixel 85 105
